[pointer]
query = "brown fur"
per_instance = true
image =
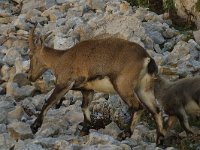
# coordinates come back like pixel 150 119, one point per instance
pixel 110 65
pixel 179 99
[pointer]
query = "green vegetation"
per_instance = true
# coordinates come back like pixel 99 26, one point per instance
pixel 198 5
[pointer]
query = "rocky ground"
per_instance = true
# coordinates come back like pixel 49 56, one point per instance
pixel 177 53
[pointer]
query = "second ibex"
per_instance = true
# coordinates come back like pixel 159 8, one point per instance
pixel 109 65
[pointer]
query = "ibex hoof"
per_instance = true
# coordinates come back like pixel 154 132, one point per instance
pixel 160 140
pixel 83 129
pixel 123 135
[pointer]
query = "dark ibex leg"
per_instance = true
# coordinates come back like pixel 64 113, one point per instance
pixel 183 119
pixel 58 92
pixel 87 98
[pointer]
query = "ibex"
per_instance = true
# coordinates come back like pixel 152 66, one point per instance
pixel 109 65
pixel 179 99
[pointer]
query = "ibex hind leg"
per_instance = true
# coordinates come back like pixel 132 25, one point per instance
pixel 148 99
pixel 57 94
pixel 125 90
pixel 183 119
pixel 87 98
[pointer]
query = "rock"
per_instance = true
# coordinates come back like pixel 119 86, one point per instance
pixel 181 52
pixel 111 129
pixel 46 142
pixel 15 114
pixel 171 148
pixel 6 142
pixel 20 23
pixel 169 33
pixel 196 35
pixel 61 1
pixel 97 138
pixel 3 128
pixel 28 107
pixel 21 145
pixel 11 55
pixel 6 29
pixel 185 9
pixel 32 4
pixel 125 8
pixel 157 37
pixel 22 66
pixel 13 89
pixel 3 116
pixel 19 130
pixel 97 4
pixel 21 79
pixel 63 43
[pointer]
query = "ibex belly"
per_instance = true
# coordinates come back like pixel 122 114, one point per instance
pixel 100 85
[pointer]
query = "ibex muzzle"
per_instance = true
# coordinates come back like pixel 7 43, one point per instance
pixel 109 65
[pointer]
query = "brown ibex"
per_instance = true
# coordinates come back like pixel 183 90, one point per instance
pixel 179 99
pixel 105 65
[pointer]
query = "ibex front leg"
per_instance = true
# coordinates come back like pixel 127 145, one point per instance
pixel 57 94
pixel 87 98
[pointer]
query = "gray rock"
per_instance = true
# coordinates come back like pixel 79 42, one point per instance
pixel 169 33
pixel 20 23
pixel 180 53
pixel 6 29
pixel 6 142
pixel 21 145
pixel 21 79
pixel 19 130
pixel 46 142
pixel 97 138
pixel 11 55
pixel 3 128
pixel 3 116
pixel 97 4
pixel 61 1
pixel 15 114
pixel 61 43
pixel 111 129
pixel 196 35
pixel 168 46
pixel 28 107
pixel 32 4
pixel 157 37
pixel 14 90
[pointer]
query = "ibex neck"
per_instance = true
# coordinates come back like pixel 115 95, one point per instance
pixel 51 57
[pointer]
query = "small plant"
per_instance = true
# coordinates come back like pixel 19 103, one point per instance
pixel 198 5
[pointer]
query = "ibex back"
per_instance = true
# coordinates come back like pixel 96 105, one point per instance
pixel 105 65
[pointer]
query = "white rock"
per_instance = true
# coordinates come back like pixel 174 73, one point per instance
pixel 19 92
pixel 6 142
pixel 61 43
pixel 11 55
pixel 197 36
pixel 19 130
pixel 97 138
pixel 21 145
pixel 15 114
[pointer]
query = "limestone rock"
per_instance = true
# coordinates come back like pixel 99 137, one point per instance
pixel 19 130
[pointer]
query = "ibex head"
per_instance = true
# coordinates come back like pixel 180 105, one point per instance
pixel 36 45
